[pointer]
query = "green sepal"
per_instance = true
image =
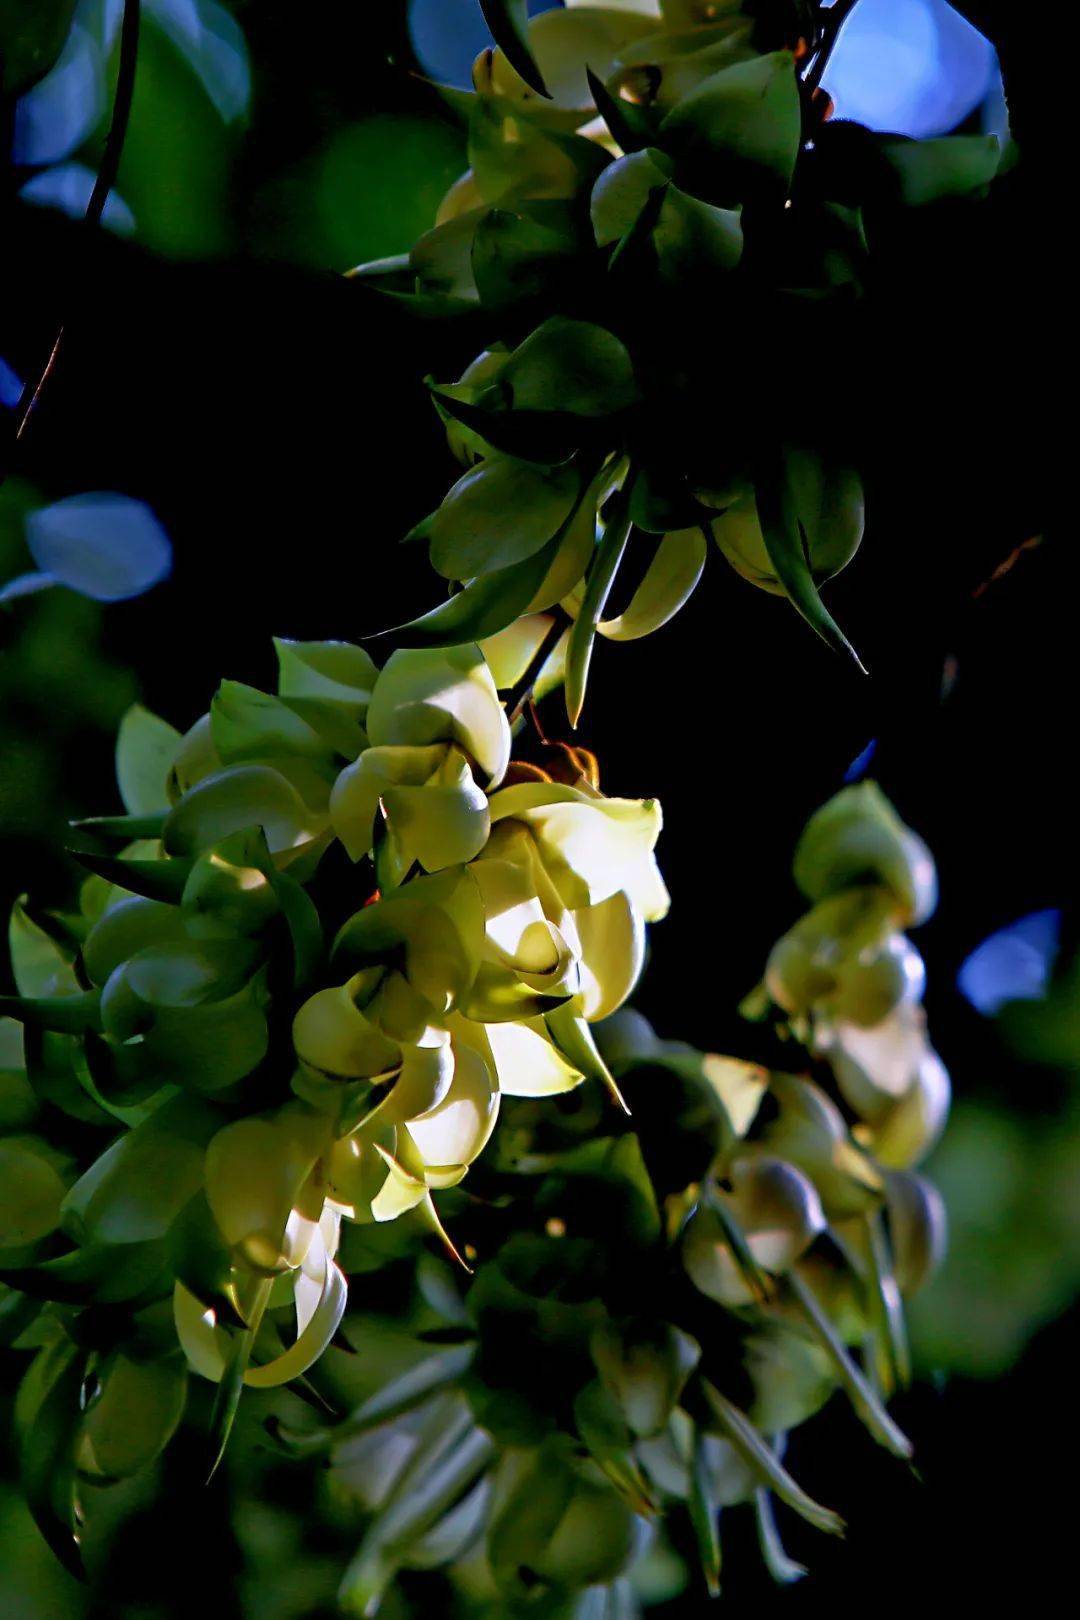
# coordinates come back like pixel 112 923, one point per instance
pixel 509 24
pixel 604 1430
pixel 154 880
pixel 126 828
pixel 705 1515
pixel 737 1429
pixel 391 1400
pixel 630 126
pixel 783 536
pixel 483 607
pixel 61 1015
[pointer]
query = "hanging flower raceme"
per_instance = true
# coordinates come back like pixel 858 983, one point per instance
pixel 654 199
pixel 658 1307
pixel 313 956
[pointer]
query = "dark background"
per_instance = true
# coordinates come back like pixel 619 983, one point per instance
pixel 274 418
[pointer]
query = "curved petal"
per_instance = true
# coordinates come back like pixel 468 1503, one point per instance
pixel 526 1062
pixel 592 846
pixel 358 792
pixel 457 1130
pixel 612 953
pixel 332 1035
pixel 427 695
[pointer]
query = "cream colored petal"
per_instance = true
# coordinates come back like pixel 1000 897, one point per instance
pixel 908 1132
pixel 509 653
pixel 591 846
pixel 427 1073
pixel 875 1067
pixel 322 1317
pixel 526 1063
pixel 427 695
pixel 458 1129
pixel 612 953
pixel 400 1192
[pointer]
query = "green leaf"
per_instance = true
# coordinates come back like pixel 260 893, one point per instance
pixel 32 35
pixel 233 800
pixel 500 513
pixel 98 1274
pixel 441 260
pixel 202 1261
pixel 134 1416
pixel 738 130
pixel 247 725
pixel 303 921
pixel 128 829
pixel 603 1427
pixel 509 24
pixel 231 1387
pixel 162 880
pixel 138 1187
pixel 47 1417
pixel 145 748
pixel 533 1501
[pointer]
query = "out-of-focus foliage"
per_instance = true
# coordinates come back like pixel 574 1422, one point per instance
pixel 104 546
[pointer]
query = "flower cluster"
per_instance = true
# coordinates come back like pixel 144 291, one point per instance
pixel 655 202
pixel 852 982
pixel 341 927
pixel 659 1307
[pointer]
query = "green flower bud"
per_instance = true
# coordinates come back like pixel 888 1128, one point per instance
pixel 857 838
pixel 830 505
pixel 778 1213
